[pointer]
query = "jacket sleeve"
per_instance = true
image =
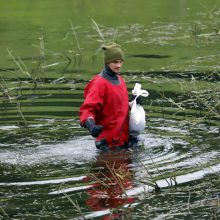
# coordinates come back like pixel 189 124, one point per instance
pixel 93 101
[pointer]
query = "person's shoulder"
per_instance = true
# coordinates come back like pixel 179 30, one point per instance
pixel 97 79
pixel 121 78
pixel 96 83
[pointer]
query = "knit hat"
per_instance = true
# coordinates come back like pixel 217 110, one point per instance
pixel 112 52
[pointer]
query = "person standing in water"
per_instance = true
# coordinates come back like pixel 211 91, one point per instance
pixel 105 110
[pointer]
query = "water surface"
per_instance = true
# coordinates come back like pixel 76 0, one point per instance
pixel 49 166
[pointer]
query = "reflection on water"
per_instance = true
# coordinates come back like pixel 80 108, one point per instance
pixel 117 185
pixel 113 178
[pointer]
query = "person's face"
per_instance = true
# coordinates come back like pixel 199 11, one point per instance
pixel 115 66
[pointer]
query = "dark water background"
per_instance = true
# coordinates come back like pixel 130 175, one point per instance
pixel 49 167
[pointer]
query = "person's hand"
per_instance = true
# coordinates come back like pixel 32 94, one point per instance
pixel 138 100
pixel 95 130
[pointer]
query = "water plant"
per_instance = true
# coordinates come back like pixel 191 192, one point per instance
pixel 8 98
pixel 23 69
pixel 206 100
pixel 114 175
pixel 5 91
pixel 98 30
pixel 101 38
pixel 78 54
pixel 148 180
pixel 42 58
pixel 75 205
pixel 203 97
pixel 4 213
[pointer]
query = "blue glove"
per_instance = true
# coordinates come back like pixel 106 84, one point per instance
pixel 95 130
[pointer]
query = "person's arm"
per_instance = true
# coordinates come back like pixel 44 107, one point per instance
pixel 95 130
pixel 90 108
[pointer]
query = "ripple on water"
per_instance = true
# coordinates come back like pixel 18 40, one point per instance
pixel 6 128
pixel 73 151
pixel 163 154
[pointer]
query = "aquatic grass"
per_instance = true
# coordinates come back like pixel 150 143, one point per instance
pixel 178 105
pixel 75 205
pixel 102 39
pixel 3 212
pixel 8 99
pixel 20 64
pixel 98 30
pixel 188 202
pixel 25 93
pixel 203 99
pixel 23 69
pixel 5 90
pixel 42 60
pixel 22 116
pixel 181 106
pixel 151 182
pixel 99 180
pixel 118 175
pixel 78 55
pixel 39 72
pixel 101 36
pixel 171 178
pixel 211 11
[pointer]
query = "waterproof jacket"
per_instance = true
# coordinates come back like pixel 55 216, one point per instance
pixel 107 103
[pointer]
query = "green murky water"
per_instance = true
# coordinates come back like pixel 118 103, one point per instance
pixel 49 167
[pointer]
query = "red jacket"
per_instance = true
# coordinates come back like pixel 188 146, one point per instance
pixel 108 105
